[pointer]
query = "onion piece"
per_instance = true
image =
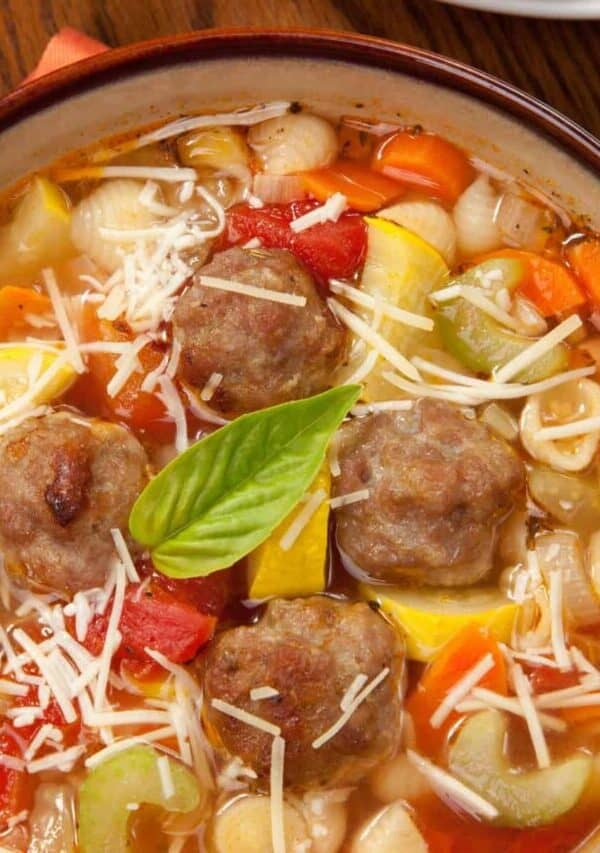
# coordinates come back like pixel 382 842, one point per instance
pixel 561 551
pixel 52 820
pixel 521 222
pixel 500 421
pixel 427 220
pixel 474 217
pixel 529 317
pixel 278 189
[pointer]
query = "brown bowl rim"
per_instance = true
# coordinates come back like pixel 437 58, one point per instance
pixel 369 51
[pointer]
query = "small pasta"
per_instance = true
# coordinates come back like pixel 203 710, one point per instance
pixel 474 217
pixel 293 143
pixel 390 831
pixel 243 825
pixel 115 204
pixel 581 399
pixel 326 816
pixel 429 221
pixel 219 148
pixel 398 779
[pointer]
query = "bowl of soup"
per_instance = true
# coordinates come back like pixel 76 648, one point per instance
pixel 299 427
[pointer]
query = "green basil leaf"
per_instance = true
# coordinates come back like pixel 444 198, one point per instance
pixel 224 495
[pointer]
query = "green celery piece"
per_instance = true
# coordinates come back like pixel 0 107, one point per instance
pixel 223 496
pixel 523 799
pixel 132 776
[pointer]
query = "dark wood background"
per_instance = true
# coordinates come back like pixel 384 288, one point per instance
pixel 558 61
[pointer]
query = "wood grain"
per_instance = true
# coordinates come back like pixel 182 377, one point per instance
pixel 558 61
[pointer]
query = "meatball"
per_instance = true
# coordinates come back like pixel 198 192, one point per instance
pixel 63 486
pixel 309 650
pixel 267 352
pixel 438 483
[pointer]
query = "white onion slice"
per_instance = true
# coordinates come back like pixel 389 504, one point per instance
pixel 278 189
pixel 521 222
pixel 561 551
pixel 474 217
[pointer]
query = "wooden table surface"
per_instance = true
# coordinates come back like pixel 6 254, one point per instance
pixel 558 61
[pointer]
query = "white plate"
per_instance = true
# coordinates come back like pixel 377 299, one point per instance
pixel 587 9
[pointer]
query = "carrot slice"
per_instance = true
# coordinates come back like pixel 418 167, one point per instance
pixel 17 304
pixel 425 161
pixel 457 657
pixel 548 284
pixel 584 258
pixel 365 189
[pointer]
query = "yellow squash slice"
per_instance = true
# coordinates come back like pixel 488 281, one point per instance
pixel 302 569
pixel 17 361
pixel 430 618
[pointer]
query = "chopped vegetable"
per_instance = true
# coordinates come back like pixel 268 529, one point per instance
pixel 573 500
pixel 474 217
pixel 15 376
pixel 425 161
pixel 293 143
pixel 14 789
pixel 584 258
pixel 221 498
pixel 546 283
pixel 528 798
pixel 522 222
pixel 457 657
pixel 38 234
pixel 143 411
pixel 391 830
pixel 221 148
pixel 561 551
pixel 19 305
pixel 154 618
pixel 243 825
pixel 302 569
pixel 478 340
pixel 132 776
pixel 52 820
pixel 430 618
pixel 365 189
pixel 402 270
pixel 329 250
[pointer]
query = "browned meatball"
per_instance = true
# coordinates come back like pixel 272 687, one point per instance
pixel 267 352
pixel 438 484
pixel 310 650
pixel 63 486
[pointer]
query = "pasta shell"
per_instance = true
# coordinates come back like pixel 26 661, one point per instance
pixel 427 220
pixel 293 143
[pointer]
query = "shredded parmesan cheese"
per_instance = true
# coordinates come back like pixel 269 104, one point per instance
pixel 66 327
pixel 350 498
pixel 166 778
pixel 52 677
pixel 357 325
pixel 353 691
pixel 537 349
pixel 245 717
pixel 62 761
pixel 302 519
pixel 523 691
pixel 124 556
pixel 354 294
pixel 276 789
pixel 447 784
pixel 330 211
pixel 169 396
pixel 214 380
pixel 483 699
pixel 153 736
pixel 361 410
pixel 252 291
pixel 259 693
pixel 112 640
pixel 461 689
pixel 347 714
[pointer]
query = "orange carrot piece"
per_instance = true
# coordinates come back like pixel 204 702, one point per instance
pixel 365 189
pixel 548 284
pixel 425 161
pixel 17 304
pixel 455 659
pixel 584 258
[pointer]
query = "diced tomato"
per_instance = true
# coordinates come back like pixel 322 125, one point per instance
pixel 52 715
pixel 584 258
pixel 157 619
pixel 142 411
pixel 458 656
pixel 544 679
pixel 365 189
pixel 329 250
pixel 14 787
pixel 425 161
pixel 209 595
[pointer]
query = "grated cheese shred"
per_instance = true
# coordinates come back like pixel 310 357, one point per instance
pixel 302 519
pixel 245 717
pixel 447 784
pixel 461 689
pixel 276 790
pixel 166 778
pixel 252 291
pixel 347 714
pixel 350 498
